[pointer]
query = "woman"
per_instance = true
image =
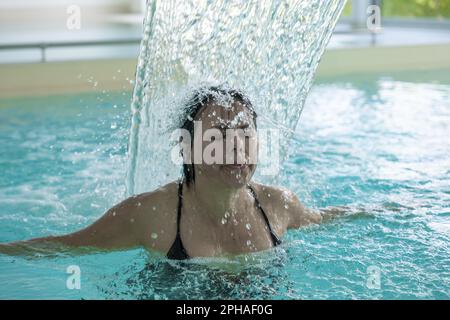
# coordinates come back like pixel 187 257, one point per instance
pixel 214 210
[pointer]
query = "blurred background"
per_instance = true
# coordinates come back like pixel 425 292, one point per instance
pixel 42 31
pixel 37 30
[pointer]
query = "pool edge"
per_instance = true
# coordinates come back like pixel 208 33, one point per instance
pixel 52 78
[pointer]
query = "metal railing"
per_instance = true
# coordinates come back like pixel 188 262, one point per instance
pixel 43 46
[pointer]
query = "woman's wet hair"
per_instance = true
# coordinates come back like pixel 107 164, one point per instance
pixel 194 105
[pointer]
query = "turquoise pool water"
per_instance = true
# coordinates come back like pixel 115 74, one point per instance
pixel 377 144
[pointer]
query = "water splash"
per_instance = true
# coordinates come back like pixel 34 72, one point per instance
pixel 270 49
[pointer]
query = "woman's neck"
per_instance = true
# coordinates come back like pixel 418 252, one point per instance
pixel 217 202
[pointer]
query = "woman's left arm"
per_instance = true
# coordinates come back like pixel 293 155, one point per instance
pixel 330 213
pixel 303 216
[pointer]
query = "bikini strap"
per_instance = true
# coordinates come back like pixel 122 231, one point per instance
pixel 177 250
pixel 180 205
pixel 276 241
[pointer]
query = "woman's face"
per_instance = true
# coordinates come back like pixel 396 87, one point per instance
pixel 226 138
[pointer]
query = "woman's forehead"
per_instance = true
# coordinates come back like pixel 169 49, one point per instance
pixel 234 115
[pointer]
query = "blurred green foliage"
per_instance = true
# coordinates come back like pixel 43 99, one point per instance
pixel 347 9
pixel 416 8
pixel 409 8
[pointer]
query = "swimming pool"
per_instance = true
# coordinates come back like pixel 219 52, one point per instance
pixel 377 144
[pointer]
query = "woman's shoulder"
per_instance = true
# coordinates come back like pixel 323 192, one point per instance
pixel 166 192
pixel 274 193
pixel 160 203
pixel 277 201
pixel 285 202
pixel 157 216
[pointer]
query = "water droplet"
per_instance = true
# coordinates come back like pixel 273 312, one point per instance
pixel 249 242
pixel 154 235
pixel 248 226
pixel 286 206
pixel 113 125
pixel 224 220
pixel 132 220
pixel 114 213
pixel 154 208
pixel 268 195
pixel 138 204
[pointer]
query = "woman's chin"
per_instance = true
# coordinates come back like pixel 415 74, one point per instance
pixel 235 176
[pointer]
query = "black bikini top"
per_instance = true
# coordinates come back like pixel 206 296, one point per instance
pixel 177 250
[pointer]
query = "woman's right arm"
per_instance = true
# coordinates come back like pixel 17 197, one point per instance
pixel 117 229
